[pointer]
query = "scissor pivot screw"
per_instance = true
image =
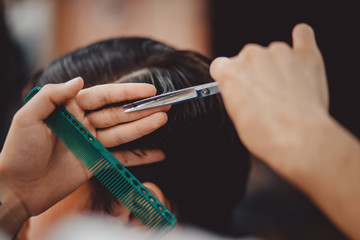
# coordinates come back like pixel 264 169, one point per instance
pixel 205 91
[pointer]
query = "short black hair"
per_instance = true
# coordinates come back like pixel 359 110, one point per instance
pixel 206 167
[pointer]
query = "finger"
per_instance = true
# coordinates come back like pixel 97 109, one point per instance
pixel 218 68
pixel 282 55
pixel 127 132
pixel 139 157
pixel 50 96
pixel 257 65
pixel 102 95
pixel 279 48
pixel 109 117
pixel 250 49
pixel 304 38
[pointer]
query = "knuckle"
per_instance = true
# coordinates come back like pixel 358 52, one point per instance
pixel 108 98
pixel 119 113
pixel 48 87
pixel 92 118
pixel 48 90
pixel 18 116
pixel 20 119
pixel 115 115
pixel 279 46
pixel 250 50
pixel 223 72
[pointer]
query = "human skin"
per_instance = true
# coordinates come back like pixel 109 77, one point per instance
pixel 37 170
pixel 79 203
pixel 278 99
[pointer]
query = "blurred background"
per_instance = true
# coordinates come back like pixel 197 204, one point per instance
pixel 34 32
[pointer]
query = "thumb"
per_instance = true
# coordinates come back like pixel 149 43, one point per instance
pixel 49 97
pixel 304 38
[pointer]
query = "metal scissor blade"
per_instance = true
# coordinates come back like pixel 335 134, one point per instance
pixel 174 97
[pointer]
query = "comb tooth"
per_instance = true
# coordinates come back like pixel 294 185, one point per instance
pixel 113 180
pixel 148 218
pixel 150 225
pixel 122 188
pixel 93 163
pixel 136 210
pixel 136 200
pixel 120 180
pixel 124 192
pixel 117 191
pixel 109 179
pixel 160 224
pixel 147 214
pixel 158 220
pixel 94 166
pixel 127 189
pixel 132 201
pixel 129 198
pixel 114 184
pixel 106 176
pixel 103 172
pixel 155 223
pixel 136 204
pixel 132 205
pixel 152 218
pixel 117 183
pixel 142 211
pixel 98 166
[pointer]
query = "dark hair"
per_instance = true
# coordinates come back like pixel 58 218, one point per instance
pixel 206 166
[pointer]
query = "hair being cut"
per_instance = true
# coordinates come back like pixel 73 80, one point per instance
pixel 206 166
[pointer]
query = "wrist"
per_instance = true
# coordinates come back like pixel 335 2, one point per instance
pixel 323 148
pixel 329 174
pixel 304 147
pixel 13 212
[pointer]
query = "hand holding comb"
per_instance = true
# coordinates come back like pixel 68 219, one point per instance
pixel 108 170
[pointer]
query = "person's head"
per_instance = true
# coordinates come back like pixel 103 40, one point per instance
pixel 204 174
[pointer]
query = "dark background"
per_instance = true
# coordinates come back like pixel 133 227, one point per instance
pixel 336 25
pixel 13 73
pixel 274 209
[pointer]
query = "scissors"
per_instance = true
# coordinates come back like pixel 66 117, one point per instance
pixel 174 97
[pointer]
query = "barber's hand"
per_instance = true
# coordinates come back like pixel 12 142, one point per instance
pixel 276 96
pixel 39 170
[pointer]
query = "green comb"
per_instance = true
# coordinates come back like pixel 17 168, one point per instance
pixel 108 170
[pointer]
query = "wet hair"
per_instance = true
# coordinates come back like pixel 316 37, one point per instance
pixel 206 167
